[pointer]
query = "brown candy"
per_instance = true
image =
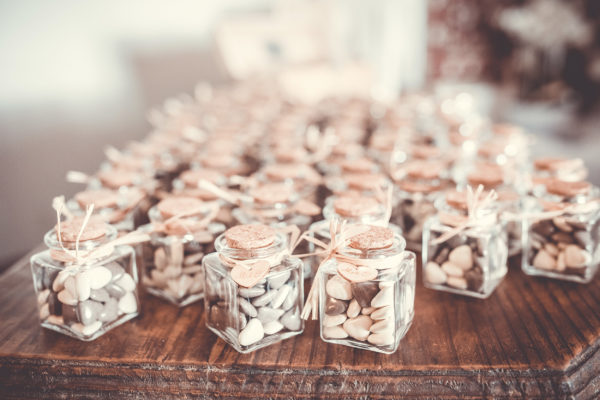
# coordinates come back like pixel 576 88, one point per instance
pixel 364 292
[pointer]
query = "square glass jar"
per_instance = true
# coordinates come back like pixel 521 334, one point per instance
pixel 561 244
pixel 249 318
pixel 85 301
pixel 470 263
pixel 370 315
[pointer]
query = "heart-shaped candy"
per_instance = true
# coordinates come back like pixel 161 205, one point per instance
pixel 356 273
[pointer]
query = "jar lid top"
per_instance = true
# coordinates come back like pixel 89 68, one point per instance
pixel 376 237
pixel 218 160
pixel 271 193
pixel 424 169
pixel 355 206
pixel 191 177
pixel 289 154
pixel 101 198
pixel 424 151
pixel 116 177
pixel 248 237
pixel 567 189
pixel 418 187
pixel 94 229
pixel 176 205
pixel 285 171
pixel 457 199
pixel 364 181
pixel 359 165
pixel 487 175
pixel 557 163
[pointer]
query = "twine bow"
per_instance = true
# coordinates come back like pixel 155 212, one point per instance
pixel 475 205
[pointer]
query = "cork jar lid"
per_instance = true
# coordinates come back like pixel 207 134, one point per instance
pixel 364 181
pixel 358 165
pixel 290 154
pixel 424 170
pixel 457 199
pixel 424 151
pixel 116 178
pixel 567 189
pixel 176 205
pixel 271 193
pixel 100 198
pixel 191 177
pixel 355 206
pixel 376 237
pixel 94 229
pixel 487 175
pixel 218 160
pixel 281 172
pixel 557 163
pixel 248 237
pixel 413 186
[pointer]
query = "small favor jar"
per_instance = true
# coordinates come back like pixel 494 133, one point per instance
pixel 418 185
pixel 181 233
pixel 254 288
pixel 366 292
pixel 560 239
pixel 83 288
pixel 464 245
pixel 565 169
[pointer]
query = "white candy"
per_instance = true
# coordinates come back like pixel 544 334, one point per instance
pixel 333 320
pixel 334 332
pixel 87 330
pixel 273 327
pixel 82 285
pixel 353 309
pixel 59 281
pixel 128 303
pixel 126 282
pixel 252 333
pixel 462 257
pixel 98 277
pixel 282 294
pixel 383 313
pixel 65 297
pixel 44 311
pixel 381 339
pixel 434 274
pixel 339 288
pixel 385 297
pixel 358 327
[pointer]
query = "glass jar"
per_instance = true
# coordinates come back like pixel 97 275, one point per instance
pixel 418 185
pixel 85 300
pixel 562 241
pixel 120 208
pixel 278 206
pixel 172 259
pixel 471 262
pixel 253 314
pixel 374 311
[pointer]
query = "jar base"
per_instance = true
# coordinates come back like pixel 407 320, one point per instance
pixel 66 330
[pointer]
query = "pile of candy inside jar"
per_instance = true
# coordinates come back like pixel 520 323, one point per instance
pixel 239 194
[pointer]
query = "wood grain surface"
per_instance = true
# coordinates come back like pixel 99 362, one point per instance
pixel 533 338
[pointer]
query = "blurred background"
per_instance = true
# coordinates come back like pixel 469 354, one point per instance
pixel 77 76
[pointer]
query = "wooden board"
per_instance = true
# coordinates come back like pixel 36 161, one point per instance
pixel 532 338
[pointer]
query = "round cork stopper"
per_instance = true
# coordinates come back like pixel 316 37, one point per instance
pixel 94 229
pixel 425 151
pixel 567 189
pixel 376 237
pixel 290 154
pixel 248 237
pixel 191 177
pixel 116 178
pixel 417 187
pixel 457 199
pixel 217 160
pixel 100 198
pixel 176 205
pixel 358 165
pixel 280 172
pixel 355 206
pixel 557 163
pixel 271 193
pixel 489 176
pixel 364 181
pixel 424 170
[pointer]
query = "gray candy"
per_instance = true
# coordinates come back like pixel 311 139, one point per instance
pixel 89 311
pixel 254 291
pixel 115 290
pixel 278 280
pixel 110 311
pixel 291 320
pixel 115 269
pixel 268 314
pixel 264 299
pixel 247 307
pixel 99 295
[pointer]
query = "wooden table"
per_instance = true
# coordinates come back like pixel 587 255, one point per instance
pixel 532 338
